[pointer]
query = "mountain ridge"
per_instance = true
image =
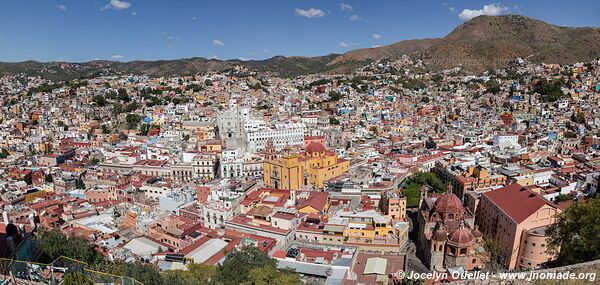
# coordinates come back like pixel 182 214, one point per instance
pixel 482 43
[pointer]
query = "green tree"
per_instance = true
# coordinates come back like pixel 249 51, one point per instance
pixel 493 253
pixel 238 264
pixel 334 96
pixel 550 90
pixel 267 275
pixel 54 244
pixel 428 178
pixel 575 236
pixel 333 121
pixel 100 101
pixel 133 120
pixel 195 274
pixel 147 274
pixel 578 117
pixel 492 86
pixel 105 129
pixel 4 153
pixel 79 184
pixel 562 198
pixel 75 278
pixel 122 95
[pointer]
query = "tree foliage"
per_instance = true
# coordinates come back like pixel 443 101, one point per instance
pixel 267 275
pixel 550 90
pixel 578 117
pixel 144 273
pixel 427 178
pixel 133 120
pixel 195 274
pixel 575 236
pixel 76 279
pixel 494 253
pixel 247 266
pixel 54 244
pixel 238 264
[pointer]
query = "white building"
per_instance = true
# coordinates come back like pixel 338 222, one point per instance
pixel 238 128
pixel 257 134
pixel 506 141
pixel 220 207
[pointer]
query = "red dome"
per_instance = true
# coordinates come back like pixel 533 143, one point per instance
pixel 440 235
pixel 448 203
pixel 315 147
pixel 461 236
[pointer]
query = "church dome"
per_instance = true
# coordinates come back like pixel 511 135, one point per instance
pixel 448 204
pixel 439 235
pixel 315 147
pixel 461 237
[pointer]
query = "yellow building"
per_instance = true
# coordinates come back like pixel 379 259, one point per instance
pixel 367 225
pixel 315 166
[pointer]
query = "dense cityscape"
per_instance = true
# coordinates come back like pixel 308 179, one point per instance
pixel 240 176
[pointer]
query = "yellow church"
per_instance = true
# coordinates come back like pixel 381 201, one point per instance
pixel 315 166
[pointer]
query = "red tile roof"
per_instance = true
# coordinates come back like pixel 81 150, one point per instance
pixel 317 200
pixel 517 201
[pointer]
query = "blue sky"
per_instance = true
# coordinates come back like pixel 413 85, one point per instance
pixel 82 30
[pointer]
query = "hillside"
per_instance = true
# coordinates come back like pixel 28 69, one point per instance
pixel 484 42
pixel 491 41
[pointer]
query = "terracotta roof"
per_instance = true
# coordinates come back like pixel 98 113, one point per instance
pixel 317 200
pixel 315 147
pixel 516 201
pixel 448 203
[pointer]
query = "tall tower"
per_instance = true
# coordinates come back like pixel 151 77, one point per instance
pixel 270 153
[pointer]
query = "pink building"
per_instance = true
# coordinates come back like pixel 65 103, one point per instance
pixel 518 217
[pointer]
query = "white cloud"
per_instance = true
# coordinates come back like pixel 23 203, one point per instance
pixel 218 43
pixel 213 57
pixel 265 50
pixel 377 36
pixel 61 7
pixel 117 56
pixel 375 46
pixel 310 13
pixel 343 44
pixel 355 18
pixel 345 7
pixel 489 10
pixel 194 18
pixel 451 9
pixel 117 5
pixel 133 13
